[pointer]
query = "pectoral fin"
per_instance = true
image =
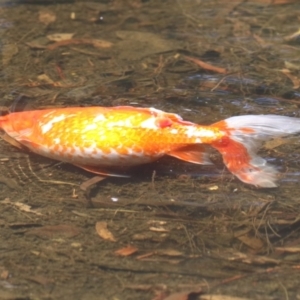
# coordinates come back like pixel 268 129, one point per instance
pixel 100 171
pixel 11 141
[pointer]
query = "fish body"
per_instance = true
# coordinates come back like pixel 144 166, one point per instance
pixel 104 139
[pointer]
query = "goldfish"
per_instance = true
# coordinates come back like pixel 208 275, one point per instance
pixel 105 140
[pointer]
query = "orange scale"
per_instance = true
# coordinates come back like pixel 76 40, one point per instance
pixel 81 148
pixel 123 151
pixel 105 151
pixel 71 150
pixel 65 149
pixel 55 147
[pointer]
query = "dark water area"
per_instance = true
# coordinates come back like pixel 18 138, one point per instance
pixel 173 230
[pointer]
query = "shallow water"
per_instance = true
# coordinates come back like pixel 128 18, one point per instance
pixel 190 228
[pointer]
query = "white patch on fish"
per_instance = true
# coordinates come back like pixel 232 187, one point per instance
pixel 193 131
pixel 56 140
pixel 46 127
pixel 90 127
pixel 121 123
pixel 99 118
pixel 77 151
pixel 113 155
pixel 155 111
pixel 149 123
pixel 90 152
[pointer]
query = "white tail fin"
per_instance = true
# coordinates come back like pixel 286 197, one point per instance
pixel 245 136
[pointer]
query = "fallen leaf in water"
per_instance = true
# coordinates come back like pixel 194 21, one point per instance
pixel 248 258
pixel 159 229
pixel 146 255
pixel 8 52
pixel 292 65
pixel 55 231
pixel 213 188
pixel 261 41
pixel 57 37
pixel 288 249
pixel 39 43
pixel 4 274
pixel 126 251
pixel 10 182
pixel 47 17
pixel 135 45
pixel 251 241
pixel 103 232
pixel 293 37
pixel 206 66
pixel 94 42
pixel 100 43
pixel 45 78
pixel 21 206
pixel 294 79
pixel 40 279
pixel 169 252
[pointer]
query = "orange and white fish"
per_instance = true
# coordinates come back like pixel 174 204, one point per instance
pixel 103 139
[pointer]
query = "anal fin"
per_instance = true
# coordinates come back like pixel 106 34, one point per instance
pixel 196 154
